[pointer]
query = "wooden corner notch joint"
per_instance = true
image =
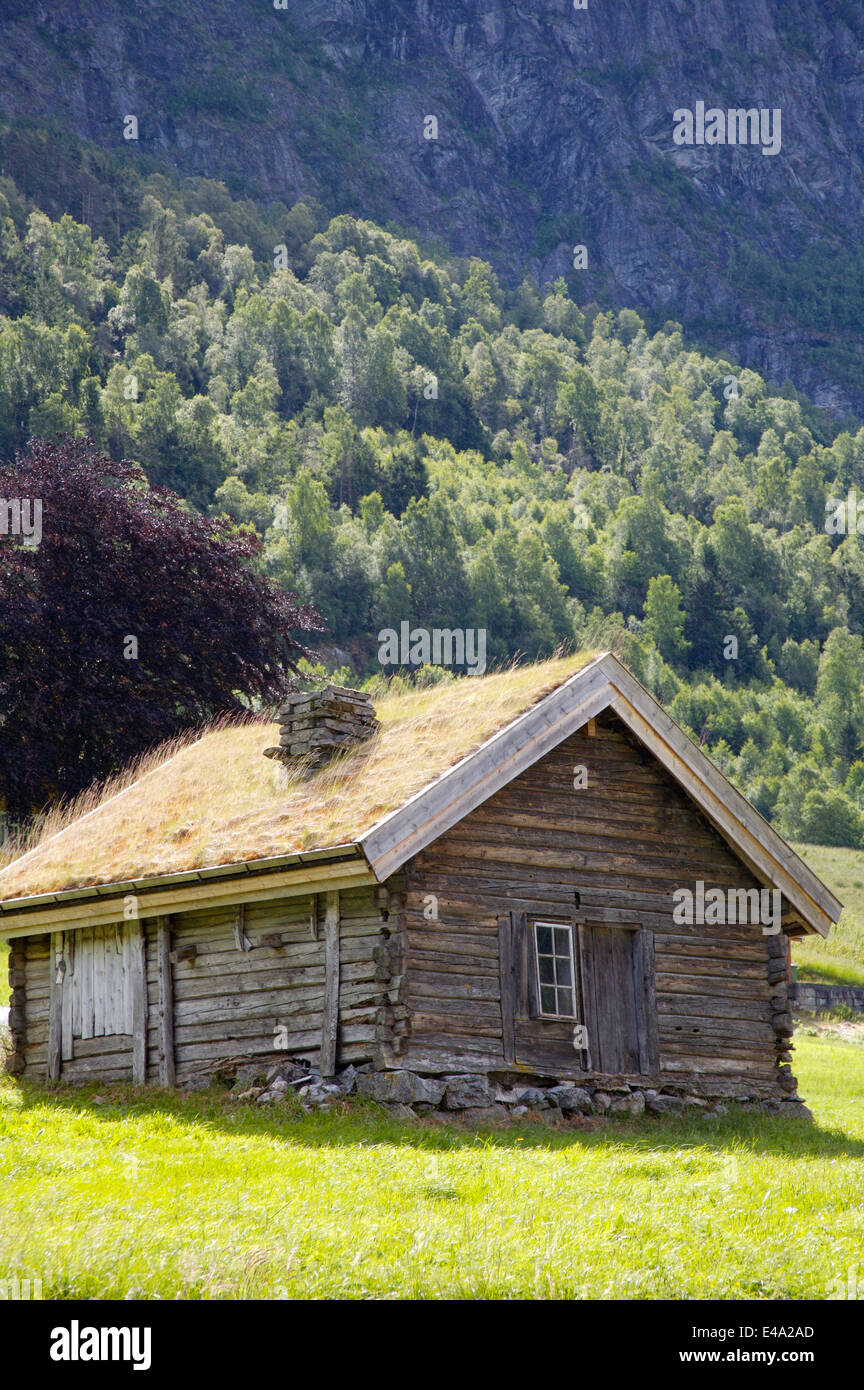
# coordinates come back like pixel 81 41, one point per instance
pixel 241 940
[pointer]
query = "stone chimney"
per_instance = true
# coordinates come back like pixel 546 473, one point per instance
pixel 318 723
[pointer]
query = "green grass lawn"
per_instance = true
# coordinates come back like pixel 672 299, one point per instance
pixel 196 1198
pixel 4 974
pixel 108 1195
pixel 839 959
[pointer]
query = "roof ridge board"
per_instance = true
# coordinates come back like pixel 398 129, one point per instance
pixel 549 713
pixel 744 842
pixel 499 734
pixel 706 770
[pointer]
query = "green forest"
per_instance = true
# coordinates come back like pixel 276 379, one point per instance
pixel 413 441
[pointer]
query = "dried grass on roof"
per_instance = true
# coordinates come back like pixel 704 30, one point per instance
pixel 216 800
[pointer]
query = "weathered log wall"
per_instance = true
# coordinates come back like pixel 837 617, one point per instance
pixel 29 1024
pixel 410 975
pixel 17 1060
pixel 227 986
pixel 230 1002
pixel 622 843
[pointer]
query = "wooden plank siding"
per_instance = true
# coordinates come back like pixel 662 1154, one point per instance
pixel 229 1004
pixel 611 852
pixel 165 997
pixel 226 1004
pixel 425 972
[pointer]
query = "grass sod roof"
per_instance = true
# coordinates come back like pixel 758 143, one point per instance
pixel 216 800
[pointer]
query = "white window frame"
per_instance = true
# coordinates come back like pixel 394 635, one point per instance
pixel 559 926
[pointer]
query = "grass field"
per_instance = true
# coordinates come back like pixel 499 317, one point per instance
pixel 839 960
pixel 106 1195
pixel 198 1198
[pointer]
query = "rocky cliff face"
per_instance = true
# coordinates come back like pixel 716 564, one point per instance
pixel 554 128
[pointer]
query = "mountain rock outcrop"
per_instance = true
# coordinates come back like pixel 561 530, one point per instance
pixel 553 128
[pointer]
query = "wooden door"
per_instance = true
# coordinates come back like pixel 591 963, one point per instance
pixel 613 998
pixel 98 991
pixel 531 1036
pixel 617 967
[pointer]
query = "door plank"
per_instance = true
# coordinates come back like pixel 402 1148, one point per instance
pixel 330 1016
pixel 167 1074
pixel 507 966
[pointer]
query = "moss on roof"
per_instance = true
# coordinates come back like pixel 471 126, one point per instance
pixel 217 800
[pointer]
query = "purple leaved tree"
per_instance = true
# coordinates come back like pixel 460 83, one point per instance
pixel 124 620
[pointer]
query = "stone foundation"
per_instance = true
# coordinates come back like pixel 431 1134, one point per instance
pixel 481 1100
pixel 812 997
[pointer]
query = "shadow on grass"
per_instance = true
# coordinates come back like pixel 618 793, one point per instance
pixel 361 1122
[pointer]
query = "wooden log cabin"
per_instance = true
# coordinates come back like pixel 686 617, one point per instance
pixel 494 883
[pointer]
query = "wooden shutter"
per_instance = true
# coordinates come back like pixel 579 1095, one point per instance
pixel 649 1040
pixel 508 977
pixel 585 995
pixel 98 990
pixel 165 974
pixel 101 963
pixel 527 1002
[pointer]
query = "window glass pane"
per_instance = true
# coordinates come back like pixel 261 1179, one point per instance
pixel 547 999
pixel 554 952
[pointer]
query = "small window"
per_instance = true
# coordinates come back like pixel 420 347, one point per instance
pixel 554 954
